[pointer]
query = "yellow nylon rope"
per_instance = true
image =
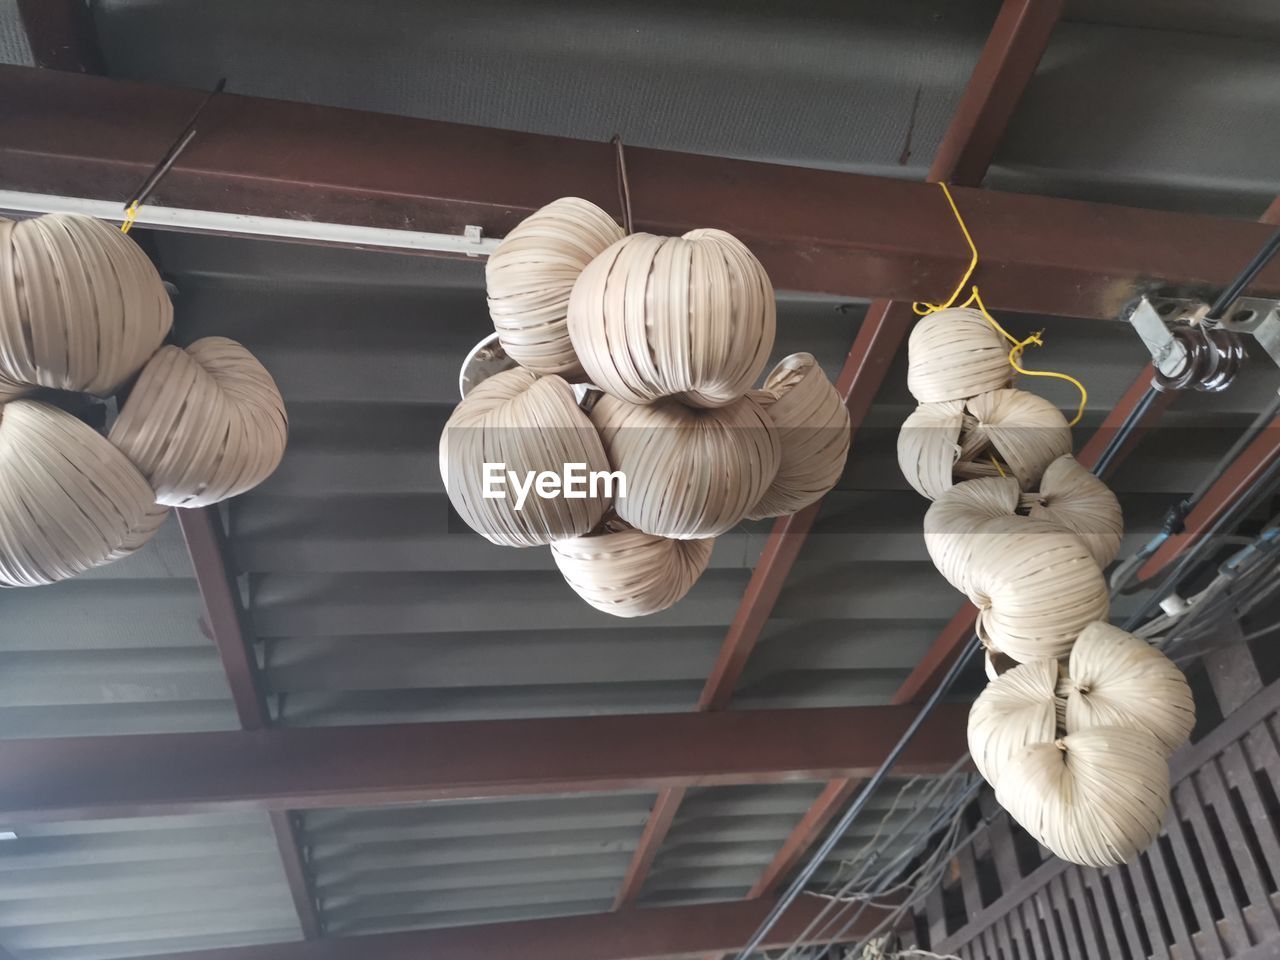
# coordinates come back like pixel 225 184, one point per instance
pixel 923 309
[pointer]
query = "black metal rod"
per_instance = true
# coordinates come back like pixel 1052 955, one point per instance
pixel 859 803
pixel 175 150
pixel 1232 293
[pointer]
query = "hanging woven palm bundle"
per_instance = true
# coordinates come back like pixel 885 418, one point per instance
pixel 955 354
pixel 691 317
pixel 953 523
pixel 203 424
pixel 530 425
pixel 813 430
pixel 691 473
pixel 627 573
pixel 1002 433
pixel 1021 431
pixel 1096 797
pixel 532 272
pixel 1036 587
pixel 1019 707
pixel 69 500
pixel 1116 679
pixel 1072 496
pixel 81 306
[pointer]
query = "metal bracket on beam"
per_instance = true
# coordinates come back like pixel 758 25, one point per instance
pixel 1191 352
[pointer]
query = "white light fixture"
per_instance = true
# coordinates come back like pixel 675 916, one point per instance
pixel 470 243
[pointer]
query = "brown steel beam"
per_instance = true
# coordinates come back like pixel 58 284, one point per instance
pixel 293 768
pixel 826 231
pixel 655 833
pixel 206 545
pixel 648 934
pixel 202 531
pixel 807 832
pixel 61 35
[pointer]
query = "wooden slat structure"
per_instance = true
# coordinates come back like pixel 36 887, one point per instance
pixel 1206 890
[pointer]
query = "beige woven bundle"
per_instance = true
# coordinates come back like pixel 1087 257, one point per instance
pixel 1022 430
pixel 1017 708
pixel 691 317
pixel 69 500
pixel 1072 496
pixel 953 523
pixel 203 424
pixel 530 275
pixel 1096 797
pixel 929 445
pixel 1005 432
pixel 813 429
pixel 691 473
pixel 955 354
pixel 626 573
pixel 1116 679
pixel 1036 587
pixel 81 307
pixel 530 424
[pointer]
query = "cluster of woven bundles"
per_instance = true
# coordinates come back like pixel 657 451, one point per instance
pixel 670 334
pixel 1076 726
pixel 83 311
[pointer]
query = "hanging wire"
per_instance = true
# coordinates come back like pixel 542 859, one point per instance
pixel 166 162
pixel 624 187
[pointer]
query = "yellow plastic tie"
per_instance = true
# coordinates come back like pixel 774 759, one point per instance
pixel 130 216
pixel 924 309
pixel 996 463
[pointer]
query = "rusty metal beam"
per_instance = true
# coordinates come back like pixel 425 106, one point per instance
pixel 824 231
pixel 61 35
pixel 206 545
pixel 202 531
pixel 655 832
pixel 811 826
pixel 294 768
pixel 649 934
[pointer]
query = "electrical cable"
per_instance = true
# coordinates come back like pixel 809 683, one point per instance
pixel 1246 277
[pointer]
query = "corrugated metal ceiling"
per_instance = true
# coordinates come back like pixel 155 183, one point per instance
pixel 373 604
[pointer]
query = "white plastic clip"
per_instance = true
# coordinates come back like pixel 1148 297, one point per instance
pixel 473 234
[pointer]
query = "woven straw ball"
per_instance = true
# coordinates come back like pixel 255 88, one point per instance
pixel 1008 432
pixel 1018 707
pixel 626 573
pixel 955 354
pixel 532 424
pixel 813 428
pixel 1035 585
pixel 203 424
pixel 952 522
pixel 691 473
pixel 1116 679
pixel 691 317
pixel 81 306
pixel 1073 497
pixel 69 500
pixel 530 275
pixel 1096 797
